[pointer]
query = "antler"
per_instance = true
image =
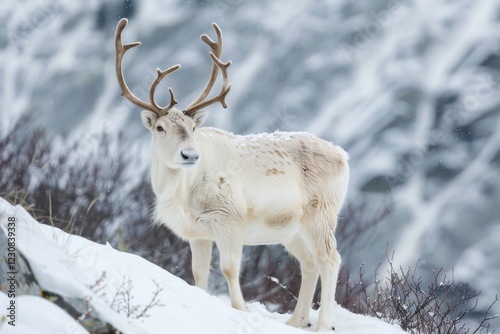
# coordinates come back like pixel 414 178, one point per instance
pixel 216 53
pixel 120 51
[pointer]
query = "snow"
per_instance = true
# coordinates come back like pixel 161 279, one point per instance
pixel 277 136
pixel 70 265
pixel 34 321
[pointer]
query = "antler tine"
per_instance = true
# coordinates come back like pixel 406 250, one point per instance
pixel 162 75
pixel 221 96
pixel 215 46
pixel 120 51
pixel 217 51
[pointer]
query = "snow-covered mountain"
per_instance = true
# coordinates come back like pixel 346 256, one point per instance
pixel 115 289
pixel 408 88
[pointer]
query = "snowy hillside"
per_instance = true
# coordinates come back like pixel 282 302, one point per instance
pixel 77 269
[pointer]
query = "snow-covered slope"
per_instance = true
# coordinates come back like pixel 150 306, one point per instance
pixel 72 267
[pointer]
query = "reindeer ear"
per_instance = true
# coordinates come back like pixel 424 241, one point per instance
pixel 148 119
pixel 199 117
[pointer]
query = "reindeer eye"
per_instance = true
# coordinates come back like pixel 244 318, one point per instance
pixel 159 128
pixel 194 127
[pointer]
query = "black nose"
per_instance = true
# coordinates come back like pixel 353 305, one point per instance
pixel 190 156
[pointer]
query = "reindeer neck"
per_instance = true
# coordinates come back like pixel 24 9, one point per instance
pixel 171 183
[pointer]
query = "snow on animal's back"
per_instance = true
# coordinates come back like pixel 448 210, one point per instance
pixel 277 154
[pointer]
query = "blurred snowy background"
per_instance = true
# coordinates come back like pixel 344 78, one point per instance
pixel 408 88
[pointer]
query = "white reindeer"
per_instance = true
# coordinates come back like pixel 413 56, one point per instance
pixel 213 186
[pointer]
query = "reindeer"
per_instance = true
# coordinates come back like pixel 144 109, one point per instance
pixel 213 186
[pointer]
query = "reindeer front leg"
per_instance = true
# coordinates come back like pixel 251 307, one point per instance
pixel 230 244
pixel 201 254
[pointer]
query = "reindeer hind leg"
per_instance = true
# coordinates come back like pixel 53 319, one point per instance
pixel 310 271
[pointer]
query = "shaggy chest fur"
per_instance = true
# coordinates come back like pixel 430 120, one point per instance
pixel 179 217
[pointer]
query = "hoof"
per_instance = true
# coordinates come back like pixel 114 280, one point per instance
pixel 321 328
pixel 301 323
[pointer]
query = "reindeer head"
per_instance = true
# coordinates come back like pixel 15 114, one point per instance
pixel 172 129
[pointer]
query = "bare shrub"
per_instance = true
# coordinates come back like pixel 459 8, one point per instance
pixel 122 299
pixel 441 306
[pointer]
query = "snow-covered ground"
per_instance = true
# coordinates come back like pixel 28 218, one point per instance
pixel 71 267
